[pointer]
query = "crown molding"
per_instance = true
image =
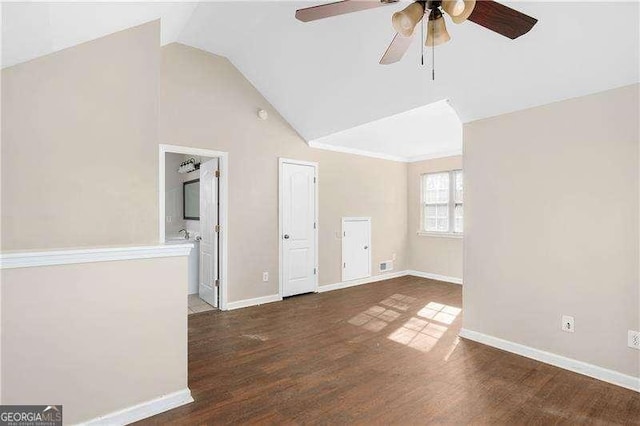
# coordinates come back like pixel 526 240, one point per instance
pixel 383 156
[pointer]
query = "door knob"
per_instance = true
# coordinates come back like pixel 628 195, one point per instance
pixel 366 247
pixel 286 236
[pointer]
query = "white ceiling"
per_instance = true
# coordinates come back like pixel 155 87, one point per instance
pixel 428 131
pixel 324 77
pixel 31 29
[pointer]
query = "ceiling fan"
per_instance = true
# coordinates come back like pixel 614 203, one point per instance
pixel 486 13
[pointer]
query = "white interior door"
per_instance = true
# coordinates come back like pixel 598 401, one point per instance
pixel 356 248
pixel 298 228
pixel 208 231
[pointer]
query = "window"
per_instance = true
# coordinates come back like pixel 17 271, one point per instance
pixel 442 209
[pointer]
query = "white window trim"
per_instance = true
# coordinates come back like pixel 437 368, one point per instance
pixel 452 205
pixel 440 234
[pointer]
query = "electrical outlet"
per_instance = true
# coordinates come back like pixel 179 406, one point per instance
pixel 393 256
pixel 169 218
pixel 265 277
pixel 634 339
pixel 567 323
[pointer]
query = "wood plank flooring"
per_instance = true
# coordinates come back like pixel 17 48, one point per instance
pixel 383 353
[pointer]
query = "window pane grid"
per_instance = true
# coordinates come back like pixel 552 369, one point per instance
pixel 442 209
pixel 436 190
pixel 458 186
pixel 458 218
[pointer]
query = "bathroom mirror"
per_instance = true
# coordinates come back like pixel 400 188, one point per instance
pixel 191 200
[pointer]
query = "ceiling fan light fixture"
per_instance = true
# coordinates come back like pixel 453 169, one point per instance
pixel 436 30
pixel 405 21
pixel 459 10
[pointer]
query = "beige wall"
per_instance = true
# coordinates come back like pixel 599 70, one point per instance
pixel 94 337
pixel 79 168
pixel 97 182
pixel 79 144
pixel 173 195
pixel 551 206
pixel 435 255
pixel 206 103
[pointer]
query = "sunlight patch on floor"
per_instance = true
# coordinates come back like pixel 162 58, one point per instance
pixel 375 318
pixel 399 301
pixel 255 337
pixel 423 331
pixel 418 334
pixel 439 312
pixel 453 347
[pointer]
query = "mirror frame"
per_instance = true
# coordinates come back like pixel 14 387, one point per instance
pixel 184 201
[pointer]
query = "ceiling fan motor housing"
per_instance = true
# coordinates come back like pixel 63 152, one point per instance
pixel 433 4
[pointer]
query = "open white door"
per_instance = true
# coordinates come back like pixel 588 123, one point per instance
pixel 209 232
pixel 356 248
pixel 298 225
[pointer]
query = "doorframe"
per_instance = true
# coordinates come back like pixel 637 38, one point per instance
pixel 370 249
pixel 281 162
pixel 223 198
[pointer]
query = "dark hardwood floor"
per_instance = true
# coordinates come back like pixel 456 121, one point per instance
pixel 383 353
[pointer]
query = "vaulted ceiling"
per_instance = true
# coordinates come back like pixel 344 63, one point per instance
pixel 324 77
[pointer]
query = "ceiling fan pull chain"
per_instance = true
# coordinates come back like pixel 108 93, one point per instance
pixel 421 42
pixel 433 55
pixel 433 64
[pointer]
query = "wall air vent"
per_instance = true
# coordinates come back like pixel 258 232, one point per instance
pixel 386 266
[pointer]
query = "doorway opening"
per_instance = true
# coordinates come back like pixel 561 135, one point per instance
pixel 193 209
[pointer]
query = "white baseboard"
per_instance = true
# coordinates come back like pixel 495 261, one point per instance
pixel 436 277
pixel 253 302
pixel 144 410
pixel 576 366
pixel 372 279
pixel 344 284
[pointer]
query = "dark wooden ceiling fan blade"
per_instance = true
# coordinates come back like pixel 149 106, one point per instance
pixel 396 49
pixel 501 19
pixel 338 8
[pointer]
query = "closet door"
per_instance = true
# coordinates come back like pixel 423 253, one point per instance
pixel 356 248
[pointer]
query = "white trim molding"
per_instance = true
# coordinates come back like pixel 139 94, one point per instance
pixel 245 303
pixel 600 373
pixel 144 410
pixel 381 155
pixel 433 156
pixel 90 255
pixel 367 280
pixel 355 151
pixel 455 235
pixel 344 284
pixel 437 277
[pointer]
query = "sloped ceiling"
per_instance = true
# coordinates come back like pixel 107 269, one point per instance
pixel 34 29
pixel 324 77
